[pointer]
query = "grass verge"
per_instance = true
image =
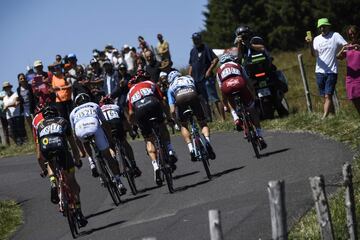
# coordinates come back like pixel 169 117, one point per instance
pixel 10 218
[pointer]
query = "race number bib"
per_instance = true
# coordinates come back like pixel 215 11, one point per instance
pixel 111 114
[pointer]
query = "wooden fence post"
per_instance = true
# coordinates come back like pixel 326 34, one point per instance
pixel 215 225
pixel 322 207
pixel 305 82
pixel 336 101
pixel 276 190
pixel 2 135
pixel 350 202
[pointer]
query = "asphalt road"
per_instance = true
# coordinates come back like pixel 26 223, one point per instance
pixel 238 189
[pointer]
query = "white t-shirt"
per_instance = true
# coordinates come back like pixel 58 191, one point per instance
pixel 326 48
pixel 11 111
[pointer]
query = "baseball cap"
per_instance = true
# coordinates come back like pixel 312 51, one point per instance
pixel 37 63
pixel 6 84
pixel 122 65
pixel 163 74
pixel 126 46
pixel 322 22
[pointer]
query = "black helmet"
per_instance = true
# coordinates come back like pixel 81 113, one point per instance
pixel 81 99
pixel 242 29
pixel 49 112
pixel 196 36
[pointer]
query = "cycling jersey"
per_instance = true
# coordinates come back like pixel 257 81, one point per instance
pixel 86 121
pixel 231 79
pixel 52 134
pixel 142 90
pixel 114 115
pixel 181 85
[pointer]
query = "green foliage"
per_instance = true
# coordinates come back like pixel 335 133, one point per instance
pixel 282 23
pixel 10 218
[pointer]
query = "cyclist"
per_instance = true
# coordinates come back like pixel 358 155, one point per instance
pixel 53 133
pixel 182 95
pixel 145 102
pixel 86 120
pixel 115 117
pixel 232 78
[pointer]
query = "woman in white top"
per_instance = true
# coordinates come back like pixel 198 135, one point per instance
pixel 13 115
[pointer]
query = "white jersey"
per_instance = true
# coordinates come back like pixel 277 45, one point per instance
pixel 86 119
pixel 326 48
pixel 111 111
pixel 177 84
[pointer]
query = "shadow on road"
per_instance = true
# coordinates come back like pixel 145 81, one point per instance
pixel 99 213
pixel 185 175
pixel 148 189
pixel 183 188
pixel 219 174
pixel 88 232
pixel 274 152
pixel 134 198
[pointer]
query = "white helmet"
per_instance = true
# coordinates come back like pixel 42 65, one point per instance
pixel 173 75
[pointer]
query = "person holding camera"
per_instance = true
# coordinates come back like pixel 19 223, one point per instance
pixel 324 47
pixel 248 45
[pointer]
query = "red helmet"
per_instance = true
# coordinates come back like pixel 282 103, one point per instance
pixel 142 75
pixel 106 100
pixel 132 81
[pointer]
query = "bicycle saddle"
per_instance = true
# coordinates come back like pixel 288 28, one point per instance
pixel 188 113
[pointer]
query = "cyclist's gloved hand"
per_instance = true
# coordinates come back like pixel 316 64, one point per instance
pixel 44 173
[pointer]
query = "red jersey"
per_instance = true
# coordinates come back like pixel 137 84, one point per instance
pixel 36 122
pixel 142 90
pixel 228 70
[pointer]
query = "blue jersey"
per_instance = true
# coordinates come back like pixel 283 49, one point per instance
pixel 179 83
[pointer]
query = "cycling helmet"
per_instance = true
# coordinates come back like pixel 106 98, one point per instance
pixel 142 75
pixel 242 29
pixel 71 56
pixel 50 112
pixel 81 99
pixel 106 100
pixel 39 108
pixel 196 36
pixel 173 75
pixel 226 57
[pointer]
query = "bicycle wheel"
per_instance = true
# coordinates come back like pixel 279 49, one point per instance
pixel 127 169
pixel 71 218
pixel 110 185
pixel 204 157
pixel 254 141
pixel 168 178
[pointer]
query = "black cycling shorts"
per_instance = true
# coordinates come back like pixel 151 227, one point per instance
pixel 117 128
pixel 185 99
pixel 145 109
pixel 63 157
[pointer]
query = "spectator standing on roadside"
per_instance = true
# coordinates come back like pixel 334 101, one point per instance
pixel 111 78
pixel 202 63
pixel 352 54
pixel 325 47
pixel 62 88
pixel 82 83
pixel 30 74
pixel 152 66
pixel 70 71
pixel 117 59
pixel 129 57
pixel 4 122
pixel 58 58
pixel 122 89
pixel 163 48
pixel 41 85
pixel 26 99
pixel 13 114
pixel 109 51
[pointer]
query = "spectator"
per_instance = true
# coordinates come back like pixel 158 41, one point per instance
pixel 41 85
pixel 163 48
pixel 70 70
pixel 122 89
pixel 352 54
pixel 142 43
pixel 117 59
pixel 129 57
pixel 4 122
pixel 325 47
pixel 26 99
pixel 202 62
pixel 111 78
pixel 58 58
pixel 109 51
pixel 82 83
pixel 62 88
pixel 96 80
pixel 152 66
pixel 30 74
pixel 13 115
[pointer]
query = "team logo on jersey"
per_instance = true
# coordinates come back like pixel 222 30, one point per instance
pixel 45 141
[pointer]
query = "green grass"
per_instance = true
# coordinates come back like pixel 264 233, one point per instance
pixel 10 218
